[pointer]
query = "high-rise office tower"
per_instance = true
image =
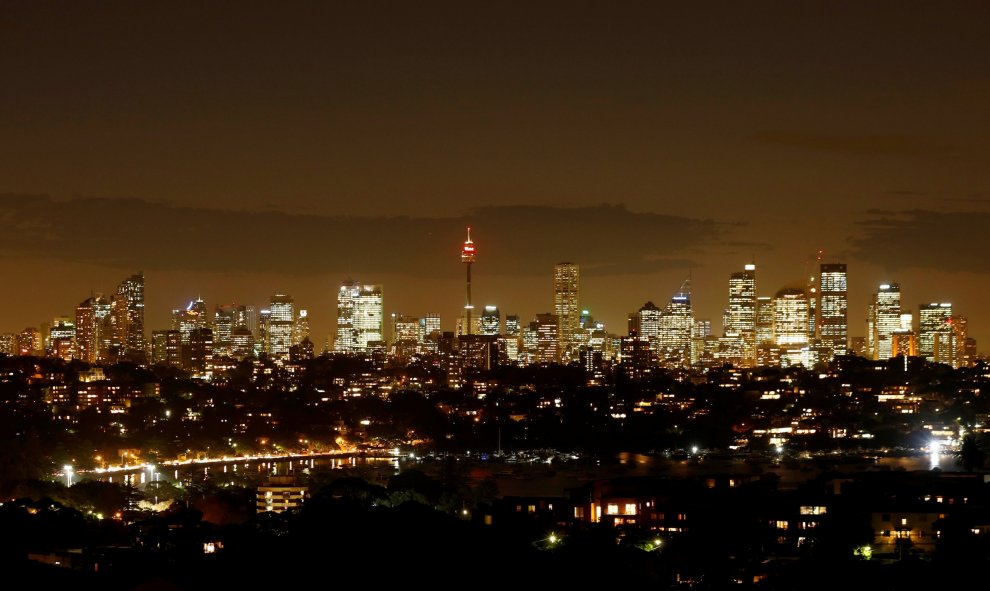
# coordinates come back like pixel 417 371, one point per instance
pixel 813 295
pixel 547 338
pixel 430 332
pixel 226 319
pixel 512 341
pixel 566 288
pixel 648 324
pixel 933 323
pixel 190 318
pixel 360 317
pixel 300 330
pixel 764 320
pixel 128 326
pixel 92 328
pixel 281 326
pixel 742 312
pixel 955 348
pixel 885 318
pixel 674 333
pixel 467 257
pixel 491 321
pixel 790 318
pixel 833 308
pixel 700 331
pixel 62 338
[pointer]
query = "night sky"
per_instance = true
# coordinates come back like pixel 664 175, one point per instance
pixel 233 150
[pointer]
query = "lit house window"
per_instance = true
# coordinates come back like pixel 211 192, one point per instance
pixel 813 510
pixel 612 509
pixel 780 524
pixel 630 508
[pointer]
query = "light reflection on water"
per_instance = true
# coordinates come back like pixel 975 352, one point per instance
pixel 540 478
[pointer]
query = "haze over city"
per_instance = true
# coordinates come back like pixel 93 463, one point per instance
pixel 283 149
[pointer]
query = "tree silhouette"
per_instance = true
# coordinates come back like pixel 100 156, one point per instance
pixel 971 455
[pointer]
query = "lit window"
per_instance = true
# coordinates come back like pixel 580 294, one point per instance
pixel 903 520
pixel 630 508
pixel 612 509
pixel 780 524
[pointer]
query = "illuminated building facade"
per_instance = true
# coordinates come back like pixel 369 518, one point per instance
pixel 764 320
pixel 885 318
pixel 360 317
pixel 491 321
pixel 166 348
pixel 62 338
pixel 833 308
pixel 701 330
pixel 300 330
pixel 648 324
pixel 226 319
pixel 30 342
pixel 197 354
pixel 92 327
pixel 742 312
pixel 933 323
pixel 430 332
pixel 566 293
pixel 191 318
pixel 790 318
pixel 127 319
pixel 8 344
pixel 407 336
pixel 674 331
pixel 512 340
pixel 242 343
pixel 547 338
pixel 281 326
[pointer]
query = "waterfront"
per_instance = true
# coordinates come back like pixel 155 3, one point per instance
pixel 535 474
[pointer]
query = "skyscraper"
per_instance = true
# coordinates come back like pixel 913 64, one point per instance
pixel 648 324
pixel 92 328
pixel 281 324
pixel 190 318
pixel 566 287
pixel 547 338
pixel 790 318
pixel 833 308
pixel 885 318
pixel 764 320
pixel 933 323
pixel 226 319
pixel 360 317
pixel 127 311
pixel 742 312
pixel 491 321
pixel 674 331
pixel 62 338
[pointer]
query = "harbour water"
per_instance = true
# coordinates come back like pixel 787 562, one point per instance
pixel 540 475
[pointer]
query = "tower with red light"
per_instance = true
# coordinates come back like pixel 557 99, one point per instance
pixel 467 257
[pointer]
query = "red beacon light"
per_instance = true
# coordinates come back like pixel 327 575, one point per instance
pixel 468 252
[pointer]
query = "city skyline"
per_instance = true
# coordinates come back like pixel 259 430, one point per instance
pixel 285 149
pixel 817 317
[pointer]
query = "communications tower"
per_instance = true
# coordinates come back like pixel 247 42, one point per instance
pixel 467 257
